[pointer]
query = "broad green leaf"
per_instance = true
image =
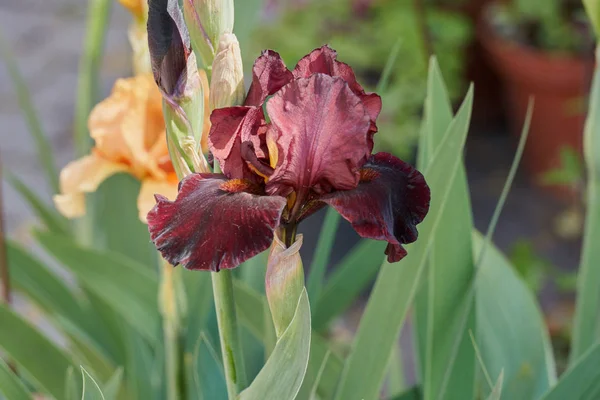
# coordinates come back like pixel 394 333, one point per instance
pixel 497 389
pixel 91 389
pixel 30 276
pixel 322 255
pixel 349 278
pixel 45 363
pixel 315 385
pixel 581 381
pixel 140 367
pixel 113 385
pixel 511 331
pixel 206 370
pixel 252 272
pixel 450 267
pixel 466 311
pixel 248 302
pixel 42 144
pixel 11 386
pixel 117 222
pixel 284 371
pixel 396 285
pixel 130 289
pixel 396 381
pixel 53 220
pixel 586 326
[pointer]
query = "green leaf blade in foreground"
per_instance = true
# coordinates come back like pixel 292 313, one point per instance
pixel 349 278
pixel 581 381
pixel 397 283
pixel 45 363
pixel 284 371
pixel 91 389
pixel 511 332
pixel 496 392
pixel 450 268
pixel 129 288
pixel 586 326
pixel 11 386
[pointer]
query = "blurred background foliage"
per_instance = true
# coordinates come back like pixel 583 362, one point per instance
pixel 365 33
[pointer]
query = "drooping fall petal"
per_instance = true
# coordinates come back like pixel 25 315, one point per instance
pixel 269 74
pixel 214 223
pixel 80 177
pixel 321 131
pixel 388 203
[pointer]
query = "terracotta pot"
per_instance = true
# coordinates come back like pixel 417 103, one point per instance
pixel 558 85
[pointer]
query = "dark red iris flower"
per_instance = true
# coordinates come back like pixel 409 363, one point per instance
pixel 311 148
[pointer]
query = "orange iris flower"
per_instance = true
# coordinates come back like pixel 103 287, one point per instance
pixel 129 131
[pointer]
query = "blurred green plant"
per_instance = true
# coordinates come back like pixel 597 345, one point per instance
pixel 364 36
pixel 549 25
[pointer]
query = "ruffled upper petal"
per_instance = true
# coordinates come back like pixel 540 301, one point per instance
pixel 214 223
pixel 390 200
pixel 321 131
pixel 323 60
pixel 230 127
pixel 269 74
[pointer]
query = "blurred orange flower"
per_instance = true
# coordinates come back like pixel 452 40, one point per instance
pixel 136 7
pixel 129 131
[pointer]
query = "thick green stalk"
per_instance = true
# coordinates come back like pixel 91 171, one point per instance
pixel 231 347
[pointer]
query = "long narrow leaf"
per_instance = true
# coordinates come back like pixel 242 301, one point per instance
pixel 284 371
pixel 511 333
pixel 42 144
pixel 322 255
pixel 45 363
pixel 55 222
pixel 586 326
pixel 450 267
pixel 11 386
pixel 130 289
pixel 396 284
pixel 581 381
pixel 350 277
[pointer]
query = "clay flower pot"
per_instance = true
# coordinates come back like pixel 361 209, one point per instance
pixel 558 85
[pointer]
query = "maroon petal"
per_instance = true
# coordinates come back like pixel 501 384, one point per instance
pixel 214 223
pixel 390 200
pixel 269 74
pixel 321 131
pixel 323 60
pixel 230 127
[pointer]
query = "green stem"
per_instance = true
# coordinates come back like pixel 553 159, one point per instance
pixel 87 92
pixel 231 347
pixel 87 84
pixel 168 305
